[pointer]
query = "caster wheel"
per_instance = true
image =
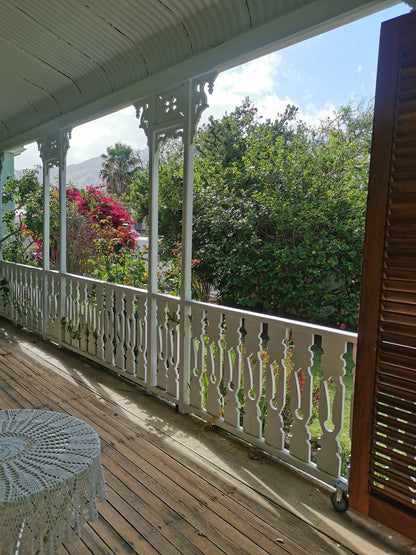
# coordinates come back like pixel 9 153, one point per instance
pixel 340 505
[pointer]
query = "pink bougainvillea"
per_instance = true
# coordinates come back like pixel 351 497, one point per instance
pixel 105 211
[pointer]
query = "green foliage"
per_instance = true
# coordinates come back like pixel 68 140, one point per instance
pixel 279 210
pixel 280 229
pixel 27 197
pixel 114 263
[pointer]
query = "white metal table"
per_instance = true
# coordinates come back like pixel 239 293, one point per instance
pixel 50 479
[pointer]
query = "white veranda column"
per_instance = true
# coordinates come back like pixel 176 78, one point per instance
pixel 172 113
pixel 53 150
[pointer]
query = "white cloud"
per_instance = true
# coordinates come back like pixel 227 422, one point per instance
pixel 271 105
pixel 258 80
pixel 29 158
pixel 93 138
pixel 312 114
pixel 253 78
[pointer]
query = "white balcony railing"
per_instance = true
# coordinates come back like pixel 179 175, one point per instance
pixel 276 383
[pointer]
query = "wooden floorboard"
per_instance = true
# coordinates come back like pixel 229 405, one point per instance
pixel 162 498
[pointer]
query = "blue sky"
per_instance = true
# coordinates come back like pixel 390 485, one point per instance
pixel 317 75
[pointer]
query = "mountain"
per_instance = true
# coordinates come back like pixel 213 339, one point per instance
pixel 84 173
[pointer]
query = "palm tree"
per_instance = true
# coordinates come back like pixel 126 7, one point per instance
pixel 118 167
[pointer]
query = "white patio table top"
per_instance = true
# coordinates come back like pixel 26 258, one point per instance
pixel 50 479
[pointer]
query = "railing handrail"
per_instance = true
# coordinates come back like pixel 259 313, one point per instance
pixel 236 367
pixel 286 322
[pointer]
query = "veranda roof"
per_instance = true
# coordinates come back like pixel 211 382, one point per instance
pixel 66 62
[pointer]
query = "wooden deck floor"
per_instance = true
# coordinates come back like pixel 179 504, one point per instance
pixel 163 496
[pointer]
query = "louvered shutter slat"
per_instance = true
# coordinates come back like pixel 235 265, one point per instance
pixel 393 451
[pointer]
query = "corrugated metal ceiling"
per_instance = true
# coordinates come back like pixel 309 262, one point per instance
pixel 65 61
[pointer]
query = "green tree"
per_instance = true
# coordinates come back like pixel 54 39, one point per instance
pixel 280 229
pixel 119 165
pixel 279 209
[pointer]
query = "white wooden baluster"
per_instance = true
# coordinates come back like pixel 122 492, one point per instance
pixel 333 367
pixel 141 323
pixel 75 304
pixel 83 307
pixel 161 344
pixel 18 295
pixel 30 312
pixel 214 362
pixel 39 301
pixel 300 445
pixel 232 369
pixel 11 279
pixel 30 320
pixel 15 293
pixel 7 302
pixel 109 324
pixel 78 312
pixel 83 343
pixel 119 330
pixel 71 308
pixel 275 386
pixel 91 317
pixel 12 289
pixel 22 312
pixel 13 285
pixel 34 300
pixel 130 332
pixel 18 298
pixel 197 357
pixel 27 297
pixel 53 324
pixel 30 306
pixel 172 385
pixel 252 424
pixel 24 298
pixel 100 320
pixel 66 322
pixel 168 358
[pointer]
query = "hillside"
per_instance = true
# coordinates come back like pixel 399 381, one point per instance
pixel 82 174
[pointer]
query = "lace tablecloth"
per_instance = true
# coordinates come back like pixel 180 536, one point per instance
pixel 50 479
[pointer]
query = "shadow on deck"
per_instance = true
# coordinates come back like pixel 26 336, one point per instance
pixel 174 485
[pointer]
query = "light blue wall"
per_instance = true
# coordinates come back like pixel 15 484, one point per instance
pixel 7 169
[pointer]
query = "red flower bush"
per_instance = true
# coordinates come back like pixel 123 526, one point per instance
pixel 105 211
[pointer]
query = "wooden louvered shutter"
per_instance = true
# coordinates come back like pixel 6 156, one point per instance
pixel 383 461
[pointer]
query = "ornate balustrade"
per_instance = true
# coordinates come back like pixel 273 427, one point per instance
pixel 276 383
